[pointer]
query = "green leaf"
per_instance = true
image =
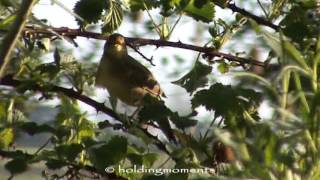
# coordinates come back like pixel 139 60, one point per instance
pixel 223 67
pixel 205 13
pixel 69 151
pixel 33 128
pixel 55 164
pixel 4 23
pixel 110 153
pixel 224 99
pixel 113 19
pixel 274 42
pixel 154 109
pixel 89 10
pixel 149 159
pixel 136 5
pixel 182 122
pixel 16 166
pixel 221 3
pixel 298 25
pixel 6 137
pixel 200 3
pixel 196 78
pixel 135 159
pixel 140 134
pixel 295 55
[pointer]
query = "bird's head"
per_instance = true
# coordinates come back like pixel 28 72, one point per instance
pixel 117 42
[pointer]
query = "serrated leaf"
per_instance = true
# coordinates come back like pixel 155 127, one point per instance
pixel 113 18
pixel 136 5
pixel 182 122
pixel 222 99
pixel 226 100
pixel 205 13
pixel 89 10
pixel 196 78
pixel 110 153
pixel 55 164
pixel 16 166
pixel 33 128
pixel 155 111
pixel 69 151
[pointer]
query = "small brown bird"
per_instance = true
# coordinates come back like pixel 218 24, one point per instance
pixel 127 79
pixel 123 76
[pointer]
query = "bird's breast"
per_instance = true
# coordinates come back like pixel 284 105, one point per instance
pixel 110 78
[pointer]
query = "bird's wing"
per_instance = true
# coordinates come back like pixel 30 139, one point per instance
pixel 140 76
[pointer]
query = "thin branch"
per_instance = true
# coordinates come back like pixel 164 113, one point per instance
pixel 156 27
pixel 43 146
pixel 208 51
pixel 256 18
pixel 11 38
pixel 264 11
pixel 175 24
pixel 73 33
pixel 150 60
pixel 9 81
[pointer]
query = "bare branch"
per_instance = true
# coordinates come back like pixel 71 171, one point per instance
pixel 256 18
pixel 150 60
pixel 10 81
pixel 73 33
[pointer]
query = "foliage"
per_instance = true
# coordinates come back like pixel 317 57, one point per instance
pixel 236 141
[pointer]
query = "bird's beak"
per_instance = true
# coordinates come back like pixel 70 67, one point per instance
pixel 118 47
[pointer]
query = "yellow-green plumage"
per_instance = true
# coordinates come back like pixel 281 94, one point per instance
pixel 123 76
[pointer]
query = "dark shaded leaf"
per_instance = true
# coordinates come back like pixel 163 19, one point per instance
pixel 110 153
pixel 135 159
pixel 205 13
pixel 153 109
pixel 16 166
pixel 89 10
pixel 224 99
pixel 69 151
pixel 196 78
pixel 136 5
pixel 33 128
pixel 182 122
pixel 55 164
